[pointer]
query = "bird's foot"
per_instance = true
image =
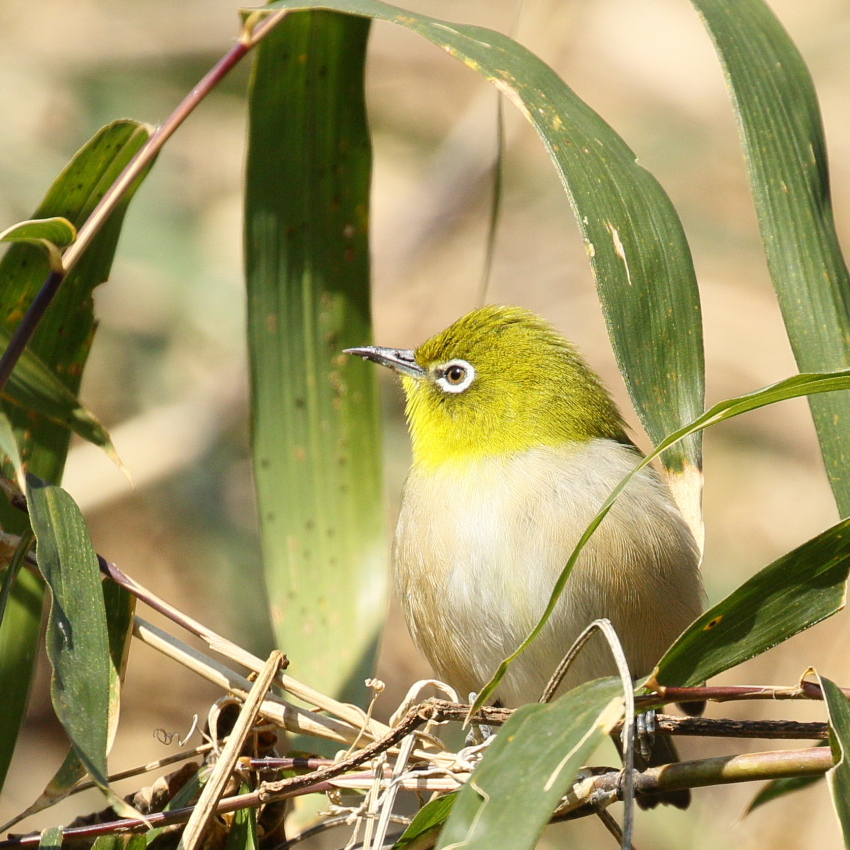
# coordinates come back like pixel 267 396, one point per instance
pixel 645 732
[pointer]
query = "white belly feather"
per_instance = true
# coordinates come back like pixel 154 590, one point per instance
pixel 478 549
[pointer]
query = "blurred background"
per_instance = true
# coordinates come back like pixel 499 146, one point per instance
pixel 167 372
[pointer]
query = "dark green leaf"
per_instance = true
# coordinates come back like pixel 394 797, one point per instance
pixel 119 605
pixel 316 442
pixel 526 770
pixel 61 342
pixel 243 830
pixel 429 818
pixel 33 387
pixel 77 640
pixel 795 592
pixel 838 777
pixel 782 137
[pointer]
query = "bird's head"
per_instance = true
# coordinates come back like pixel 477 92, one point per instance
pixel 497 381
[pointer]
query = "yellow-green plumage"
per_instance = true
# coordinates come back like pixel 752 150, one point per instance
pixel 516 444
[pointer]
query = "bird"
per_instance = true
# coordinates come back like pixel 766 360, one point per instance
pixel 515 445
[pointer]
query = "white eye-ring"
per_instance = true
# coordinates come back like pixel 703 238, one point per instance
pixel 455 376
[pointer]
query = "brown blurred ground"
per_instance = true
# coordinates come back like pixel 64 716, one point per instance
pixel 167 370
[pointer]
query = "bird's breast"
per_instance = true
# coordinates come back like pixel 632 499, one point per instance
pixel 479 546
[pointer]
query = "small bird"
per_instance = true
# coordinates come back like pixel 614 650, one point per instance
pixel 516 444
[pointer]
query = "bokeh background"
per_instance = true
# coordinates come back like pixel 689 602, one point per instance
pixel 167 372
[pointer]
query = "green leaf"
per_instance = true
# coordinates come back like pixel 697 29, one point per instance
pixel 61 342
pixel 782 137
pixel 77 639
pixel 795 592
pixel 428 819
pixel 243 831
pixel 838 777
pixel 777 788
pixel 11 574
pixel 48 234
pixel 9 447
pixel 316 439
pixel 635 242
pixel 536 756
pixel 35 388
pixel 119 842
pixel 120 606
pixel 51 838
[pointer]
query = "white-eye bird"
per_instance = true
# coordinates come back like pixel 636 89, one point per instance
pixel 516 444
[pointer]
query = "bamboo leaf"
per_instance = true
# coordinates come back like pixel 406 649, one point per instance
pixel 635 242
pixel 838 777
pixel 785 152
pixel 48 234
pixel 427 821
pixel 51 838
pixel 120 607
pixel 316 445
pixel 35 388
pixel 243 830
pixel 61 342
pixel 77 639
pixel 534 759
pixel 791 594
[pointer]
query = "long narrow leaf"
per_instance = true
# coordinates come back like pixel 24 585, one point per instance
pixel 119 606
pixel 838 777
pixel 316 444
pixel 782 137
pixel 77 639
pixel 527 769
pixel 33 387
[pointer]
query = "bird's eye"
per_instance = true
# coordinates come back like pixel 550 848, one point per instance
pixel 455 376
pixel 455 373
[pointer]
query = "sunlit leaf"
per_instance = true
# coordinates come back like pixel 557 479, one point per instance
pixel 838 777
pixel 316 439
pixel 536 756
pixel 48 234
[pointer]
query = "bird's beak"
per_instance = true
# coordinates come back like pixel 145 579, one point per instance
pixel 399 359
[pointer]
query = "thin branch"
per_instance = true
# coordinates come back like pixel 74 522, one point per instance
pixel 803 690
